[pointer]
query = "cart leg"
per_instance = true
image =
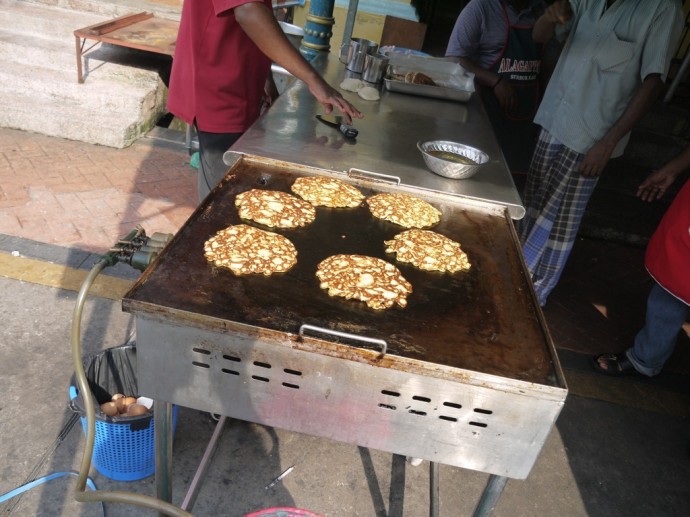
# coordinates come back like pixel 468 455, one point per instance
pixel 80 72
pixel 490 496
pixel 433 490
pixel 162 421
pixel 200 474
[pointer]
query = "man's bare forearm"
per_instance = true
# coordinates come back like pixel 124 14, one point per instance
pixel 639 105
pixel 545 27
pixel 258 22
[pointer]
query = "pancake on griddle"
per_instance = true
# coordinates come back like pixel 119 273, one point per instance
pixel 274 209
pixel 374 281
pixel 244 250
pixel 428 250
pixel 403 209
pixel 329 192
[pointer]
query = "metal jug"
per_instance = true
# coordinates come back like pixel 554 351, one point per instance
pixel 374 67
pixel 353 53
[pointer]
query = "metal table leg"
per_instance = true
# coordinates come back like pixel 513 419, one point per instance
pixel 490 496
pixel 80 72
pixel 162 421
pixel 433 490
pixel 200 474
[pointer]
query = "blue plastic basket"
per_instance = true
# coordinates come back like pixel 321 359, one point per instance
pixel 124 446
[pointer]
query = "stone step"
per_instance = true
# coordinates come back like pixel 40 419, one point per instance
pixel 112 89
pixel 122 97
pixel 169 9
pixel 41 21
pixel 47 52
pixel 109 109
pixel 102 61
pixel 65 120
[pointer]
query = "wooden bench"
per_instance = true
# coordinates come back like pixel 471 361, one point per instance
pixel 142 31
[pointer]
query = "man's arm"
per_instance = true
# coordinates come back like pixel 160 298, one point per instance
pixel 655 185
pixel 260 25
pixel 599 154
pixel 545 27
pixel 503 90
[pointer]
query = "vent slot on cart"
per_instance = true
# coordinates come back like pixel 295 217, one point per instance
pixel 238 372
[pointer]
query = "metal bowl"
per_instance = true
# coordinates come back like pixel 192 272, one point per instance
pixel 448 168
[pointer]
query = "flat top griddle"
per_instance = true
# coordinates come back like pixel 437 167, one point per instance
pixel 484 320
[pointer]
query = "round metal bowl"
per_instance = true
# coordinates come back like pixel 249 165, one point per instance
pixel 448 168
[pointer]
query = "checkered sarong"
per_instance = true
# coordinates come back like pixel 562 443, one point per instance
pixel 555 199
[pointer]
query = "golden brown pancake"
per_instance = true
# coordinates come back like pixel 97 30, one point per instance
pixel 403 209
pixel 245 250
pixel 275 209
pixel 374 281
pixel 428 250
pixel 329 192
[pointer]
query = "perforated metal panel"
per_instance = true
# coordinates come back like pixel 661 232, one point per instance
pixel 440 414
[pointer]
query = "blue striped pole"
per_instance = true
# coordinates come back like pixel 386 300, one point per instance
pixel 318 29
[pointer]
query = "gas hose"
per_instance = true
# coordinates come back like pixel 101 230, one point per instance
pixel 81 494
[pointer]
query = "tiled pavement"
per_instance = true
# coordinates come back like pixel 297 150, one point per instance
pixel 77 195
pixel 74 194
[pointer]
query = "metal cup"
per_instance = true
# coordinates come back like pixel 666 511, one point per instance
pixel 374 67
pixel 353 53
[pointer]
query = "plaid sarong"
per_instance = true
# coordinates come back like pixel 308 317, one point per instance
pixel 555 199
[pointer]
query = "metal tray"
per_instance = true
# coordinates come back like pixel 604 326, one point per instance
pixel 425 90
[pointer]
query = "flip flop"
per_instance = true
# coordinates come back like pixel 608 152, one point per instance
pixel 616 364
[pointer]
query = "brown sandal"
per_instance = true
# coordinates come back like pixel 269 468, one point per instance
pixel 616 364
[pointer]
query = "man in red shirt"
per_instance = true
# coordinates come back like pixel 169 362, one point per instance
pixel 668 261
pixel 220 70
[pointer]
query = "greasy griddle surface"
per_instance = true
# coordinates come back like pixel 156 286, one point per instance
pixel 482 320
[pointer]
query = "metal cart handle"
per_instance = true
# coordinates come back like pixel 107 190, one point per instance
pixel 354 337
pixel 363 173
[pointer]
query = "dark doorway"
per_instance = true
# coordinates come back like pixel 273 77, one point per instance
pixel 439 16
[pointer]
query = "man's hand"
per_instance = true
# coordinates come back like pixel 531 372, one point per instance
pixel 559 12
pixel 506 95
pixel 598 156
pixel 258 22
pixel 596 159
pixel 331 98
pixel 655 185
pixel 270 91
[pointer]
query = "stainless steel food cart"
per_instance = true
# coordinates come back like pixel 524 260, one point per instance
pixel 465 375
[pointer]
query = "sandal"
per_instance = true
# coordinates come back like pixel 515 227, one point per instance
pixel 616 364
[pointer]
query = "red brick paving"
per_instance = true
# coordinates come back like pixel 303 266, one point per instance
pixel 79 195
